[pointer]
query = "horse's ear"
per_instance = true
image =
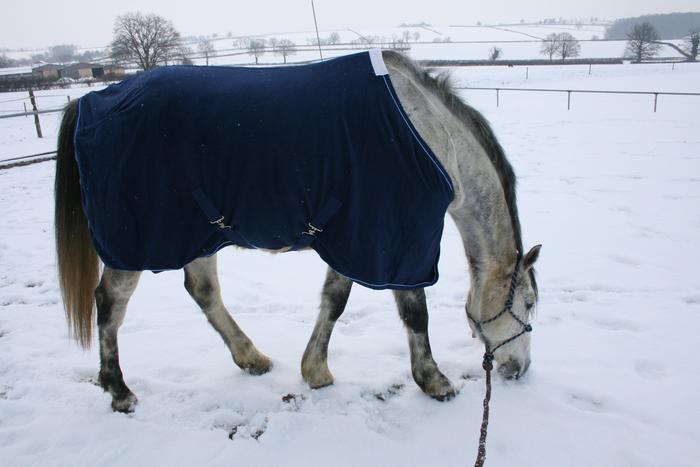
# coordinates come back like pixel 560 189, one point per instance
pixel 531 257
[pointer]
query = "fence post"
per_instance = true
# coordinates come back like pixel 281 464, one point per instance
pixel 68 97
pixel 589 68
pixel 656 97
pixel 568 100
pixel 497 99
pixel 36 115
pixel 25 109
pixel 527 72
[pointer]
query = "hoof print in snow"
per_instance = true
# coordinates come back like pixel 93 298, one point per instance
pixel 3 392
pixel 294 400
pixel 692 300
pixel 33 284
pixel 232 432
pixel 586 402
pixel 244 431
pixel 92 380
pixel 470 377
pixel 393 391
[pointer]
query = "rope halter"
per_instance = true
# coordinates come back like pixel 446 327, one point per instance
pixel 507 309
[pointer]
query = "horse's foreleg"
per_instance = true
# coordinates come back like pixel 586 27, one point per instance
pixel 112 296
pixel 334 297
pixel 414 313
pixel 202 283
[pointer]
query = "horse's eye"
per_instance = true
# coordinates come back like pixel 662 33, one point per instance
pixel 528 306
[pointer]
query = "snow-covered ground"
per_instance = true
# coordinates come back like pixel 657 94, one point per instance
pixel 608 188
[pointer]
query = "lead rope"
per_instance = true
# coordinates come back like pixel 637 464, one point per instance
pixel 487 364
pixel 481 454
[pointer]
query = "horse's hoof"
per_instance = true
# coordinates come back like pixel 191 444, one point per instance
pixel 317 377
pixel 261 366
pixel 439 388
pixel 125 405
pixel 444 396
pixel 320 383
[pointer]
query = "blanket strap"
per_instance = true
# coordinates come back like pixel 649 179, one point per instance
pixel 216 218
pixel 318 223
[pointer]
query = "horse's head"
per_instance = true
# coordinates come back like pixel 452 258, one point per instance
pixel 499 310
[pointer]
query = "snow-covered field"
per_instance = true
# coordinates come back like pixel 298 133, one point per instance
pixel 608 188
pixel 464 42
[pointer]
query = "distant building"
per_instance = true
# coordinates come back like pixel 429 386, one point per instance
pixel 82 70
pixel 15 74
pixel 114 70
pixel 45 74
pixel 47 71
pixel 75 71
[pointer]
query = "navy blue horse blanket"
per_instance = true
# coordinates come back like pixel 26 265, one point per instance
pixel 177 162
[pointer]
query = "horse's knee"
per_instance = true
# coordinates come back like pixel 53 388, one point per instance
pixel 336 291
pixel 103 302
pixel 413 310
pixel 201 290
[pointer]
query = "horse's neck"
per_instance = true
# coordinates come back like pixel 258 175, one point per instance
pixel 479 209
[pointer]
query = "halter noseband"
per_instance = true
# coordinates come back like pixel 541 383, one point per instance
pixel 490 350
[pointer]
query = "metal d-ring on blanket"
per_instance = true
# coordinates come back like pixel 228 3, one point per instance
pixel 312 230
pixel 487 364
pixel 220 223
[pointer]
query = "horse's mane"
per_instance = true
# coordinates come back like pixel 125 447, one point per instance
pixel 441 85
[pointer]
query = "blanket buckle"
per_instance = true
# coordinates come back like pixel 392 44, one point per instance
pixel 220 223
pixel 312 231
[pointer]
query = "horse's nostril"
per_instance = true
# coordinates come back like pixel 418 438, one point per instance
pixel 509 369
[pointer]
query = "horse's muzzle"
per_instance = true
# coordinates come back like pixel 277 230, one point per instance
pixel 512 369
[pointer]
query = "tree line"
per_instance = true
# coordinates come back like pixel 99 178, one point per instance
pixel 668 26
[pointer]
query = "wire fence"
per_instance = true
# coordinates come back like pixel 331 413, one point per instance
pixel 569 92
pixel 30 159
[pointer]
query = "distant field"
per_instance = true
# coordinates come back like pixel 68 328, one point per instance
pixel 424 48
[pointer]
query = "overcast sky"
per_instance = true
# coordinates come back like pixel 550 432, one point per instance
pixel 88 23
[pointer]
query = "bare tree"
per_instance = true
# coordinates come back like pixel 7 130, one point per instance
pixel 641 42
pixel 495 53
pixel 256 47
pixel 550 45
pixel 146 40
pixel 206 48
pixel 6 62
pixel 569 47
pixel 285 47
pixel 692 43
pixel 333 38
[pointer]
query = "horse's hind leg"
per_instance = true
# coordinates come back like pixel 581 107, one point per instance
pixel 334 297
pixel 112 296
pixel 202 283
pixel 414 313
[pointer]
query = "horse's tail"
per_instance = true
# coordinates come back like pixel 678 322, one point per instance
pixel 78 264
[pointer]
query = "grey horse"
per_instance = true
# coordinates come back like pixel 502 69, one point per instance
pixel 483 209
